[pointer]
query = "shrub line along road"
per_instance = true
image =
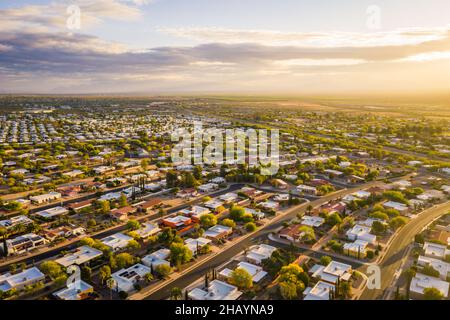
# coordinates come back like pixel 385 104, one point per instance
pixel 392 260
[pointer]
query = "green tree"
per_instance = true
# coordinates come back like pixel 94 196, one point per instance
pixel 241 278
pixel 208 220
pixel 432 294
pixel 288 290
pixel 334 219
pixel 430 271
pixel 325 260
pixel 163 270
pixel 123 201
pixel 133 225
pixel 250 226
pixel 378 227
pixel 397 222
pixel 133 245
pixel 307 233
pixel 228 223
pixel 51 269
pixel 176 293
pixel 179 254
pixel 124 260
pixel 237 212
pixel 104 273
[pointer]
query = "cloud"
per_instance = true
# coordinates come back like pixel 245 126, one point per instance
pixel 53 17
pixel 409 36
pixel 37 52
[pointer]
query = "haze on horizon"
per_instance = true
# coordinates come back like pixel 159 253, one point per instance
pixel 212 46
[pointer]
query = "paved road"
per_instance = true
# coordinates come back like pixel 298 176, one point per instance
pixel 259 236
pixel 391 262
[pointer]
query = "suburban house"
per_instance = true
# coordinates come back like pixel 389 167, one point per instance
pixel 320 291
pixel 77 206
pixel 420 282
pixel 117 241
pixel 304 189
pixel 312 221
pixel 157 258
pixel 78 290
pixel 127 278
pixel 359 232
pixel 196 244
pixel 20 280
pixel 81 256
pixel 218 232
pixel 259 252
pixel 208 187
pixel 149 206
pixel 24 243
pixel 181 223
pixel 356 248
pixel 52 212
pixel 14 221
pixel 256 272
pixel 332 272
pixel 39 199
pixel 121 214
pixel 400 207
pixel 148 229
pixel 435 250
pixel 441 266
pixel 217 290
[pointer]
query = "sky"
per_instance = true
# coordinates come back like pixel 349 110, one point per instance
pixel 348 47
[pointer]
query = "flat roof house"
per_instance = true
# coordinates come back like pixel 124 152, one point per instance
pixel 218 232
pixel 82 255
pixel 420 282
pixel 255 271
pixel 52 212
pixel 39 199
pixel 312 221
pixel 149 205
pixel 148 229
pixel 78 290
pixel 14 221
pixel 20 280
pixel 259 252
pixel 359 232
pixel 304 189
pixel 177 221
pixel 441 266
pixel 196 244
pixel 24 243
pixel 435 250
pixel 321 291
pixel 116 241
pixel 157 258
pixel 400 207
pixel 127 278
pixel 356 249
pixel 208 187
pixel 121 214
pixel 217 290
pixel 332 272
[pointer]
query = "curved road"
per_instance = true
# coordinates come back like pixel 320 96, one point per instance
pixel 392 260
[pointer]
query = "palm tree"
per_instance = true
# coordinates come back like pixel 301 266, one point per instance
pixel 176 293
pixel 409 274
pixel 4 234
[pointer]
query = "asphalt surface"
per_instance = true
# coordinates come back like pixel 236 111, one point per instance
pixel 392 260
